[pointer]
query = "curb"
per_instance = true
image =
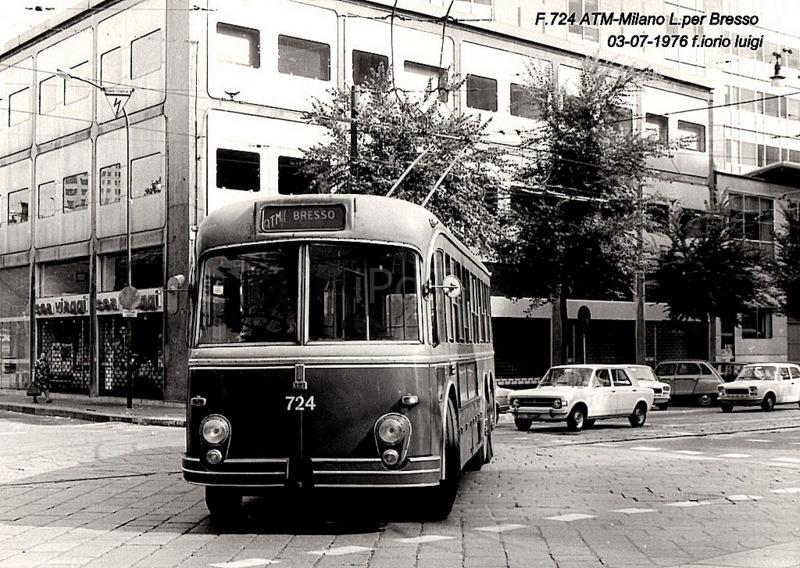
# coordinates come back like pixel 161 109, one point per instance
pixel 91 416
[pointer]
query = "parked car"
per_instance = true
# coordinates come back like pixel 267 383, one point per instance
pixel 691 379
pixel 765 384
pixel 728 370
pixel 581 394
pixel 647 378
pixel 501 400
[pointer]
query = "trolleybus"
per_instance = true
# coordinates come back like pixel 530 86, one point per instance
pixel 339 341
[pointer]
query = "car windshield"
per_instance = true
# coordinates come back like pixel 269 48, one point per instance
pixel 757 373
pixel 642 373
pixel 567 376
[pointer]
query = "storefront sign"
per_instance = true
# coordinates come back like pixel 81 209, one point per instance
pixel 63 306
pixel 151 301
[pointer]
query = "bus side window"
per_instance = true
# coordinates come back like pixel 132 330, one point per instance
pixel 449 315
pixel 438 306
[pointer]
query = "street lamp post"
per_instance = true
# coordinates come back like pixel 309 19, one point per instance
pixel 129 297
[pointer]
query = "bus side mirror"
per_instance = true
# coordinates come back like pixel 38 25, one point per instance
pixel 175 285
pixel 451 286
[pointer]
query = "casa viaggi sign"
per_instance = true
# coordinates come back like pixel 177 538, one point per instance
pixel 63 306
pixel 150 300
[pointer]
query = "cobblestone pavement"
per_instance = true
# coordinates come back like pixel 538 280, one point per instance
pixel 693 488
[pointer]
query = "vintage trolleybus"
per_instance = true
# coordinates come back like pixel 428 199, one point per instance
pixel 339 341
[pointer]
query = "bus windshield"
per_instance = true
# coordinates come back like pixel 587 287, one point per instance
pixel 360 292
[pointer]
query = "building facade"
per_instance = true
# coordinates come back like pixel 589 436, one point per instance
pixel 215 116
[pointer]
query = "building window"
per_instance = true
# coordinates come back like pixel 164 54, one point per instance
pixel 110 184
pixel 757 324
pixel 748 154
pixel 111 67
pixel 753 218
pixel 481 93
pixel 238 170
pixel 147 270
pixel 19 107
pixel 18 204
pixel 146 175
pixel 47 200
pixel 238 45
pixel 579 7
pixel 694 135
pixel 366 63
pixel 146 54
pixel 291 178
pixel 426 79
pixel 747 99
pixel 76 192
pixel 771 105
pixel 656 127
pixel 304 58
pixel 48 94
pixel 522 104
pixel 63 278
pixel 75 91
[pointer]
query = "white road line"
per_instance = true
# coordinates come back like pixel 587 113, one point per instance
pixel 689 452
pixel 570 517
pixel 787 460
pixel 736 498
pixel 633 511
pixel 340 550
pixel 688 503
pixel 735 456
pixel 758 441
pixel 786 490
pixel 423 539
pixel 500 528
pixel 645 448
pixel 246 563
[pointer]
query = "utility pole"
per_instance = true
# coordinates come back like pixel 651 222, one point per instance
pixel 638 284
pixel 353 136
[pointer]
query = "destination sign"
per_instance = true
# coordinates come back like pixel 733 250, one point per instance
pixel 278 218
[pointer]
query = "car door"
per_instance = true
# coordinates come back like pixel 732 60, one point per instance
pixel 686 377
pixel 794 384
pixel 708 381
pixel 666 373
pixel 783 381
pixel 625 392
pixel 599 397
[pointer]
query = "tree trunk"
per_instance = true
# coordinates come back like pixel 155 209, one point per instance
pixel 560 329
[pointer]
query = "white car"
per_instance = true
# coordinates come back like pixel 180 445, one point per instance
pixel 647 378
pixel 581 394
pixel 764 384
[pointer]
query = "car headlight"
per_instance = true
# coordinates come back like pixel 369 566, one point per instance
pixel 753 390
pixel 665 388
pixel 215 429
pixel 391 429
pixel 721 389
pixel 558 403
pixel 515 402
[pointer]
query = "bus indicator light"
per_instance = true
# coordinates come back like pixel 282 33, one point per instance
pixel 282 218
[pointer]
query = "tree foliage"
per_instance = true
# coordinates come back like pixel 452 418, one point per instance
pixel 393 128
pixel 785 270
pixel 708 271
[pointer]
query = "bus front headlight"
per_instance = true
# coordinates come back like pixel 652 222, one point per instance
pixel 392 434
pixel 215 429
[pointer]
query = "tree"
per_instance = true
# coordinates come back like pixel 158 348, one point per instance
pixel 708 271
pixel 785 270
pixel 577 209
pixel 393 128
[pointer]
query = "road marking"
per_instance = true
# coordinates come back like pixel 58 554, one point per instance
pixel 758 440
pixel 787 460
pixel 689 452
pixel 682 433
pixel 423 539
pixel 786 490
pixel 246 563
pixel 736 498
pixel 501 528
pixel 735 456
pixel 688 503
pixel 521 438
pixel 645 448
pixel 570 517
pixel 340 550
pixel 633 511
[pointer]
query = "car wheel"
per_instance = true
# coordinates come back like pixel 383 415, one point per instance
pixel 768 404
pixel 639 416
pixel 522 424
pixel 663 406
pixel 726 407
pixel 589 422
pixel 441 498
pixel 705 400
pixel 576 419
pixel 223 504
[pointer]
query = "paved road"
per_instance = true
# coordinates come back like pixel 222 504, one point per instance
pixel 693 487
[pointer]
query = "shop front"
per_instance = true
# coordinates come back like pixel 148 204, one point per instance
pixel 134 343
pixel 62 326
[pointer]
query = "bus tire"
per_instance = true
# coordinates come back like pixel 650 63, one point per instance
pixel 223 504
pixel 440 500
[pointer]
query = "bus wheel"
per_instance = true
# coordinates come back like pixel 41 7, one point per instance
pixel 441 498
pixel 222 503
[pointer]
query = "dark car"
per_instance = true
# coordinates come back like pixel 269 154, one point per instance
pixel 691 379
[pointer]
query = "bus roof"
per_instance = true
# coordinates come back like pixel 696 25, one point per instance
pixel 368 217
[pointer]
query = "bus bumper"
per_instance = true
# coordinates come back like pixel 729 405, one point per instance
pixel 423 471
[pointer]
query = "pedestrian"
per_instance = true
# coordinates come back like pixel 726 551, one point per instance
pixel 41 379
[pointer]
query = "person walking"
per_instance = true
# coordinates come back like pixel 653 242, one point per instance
pixel 41 379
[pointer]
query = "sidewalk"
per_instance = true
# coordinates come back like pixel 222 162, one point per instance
pixel 97 409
